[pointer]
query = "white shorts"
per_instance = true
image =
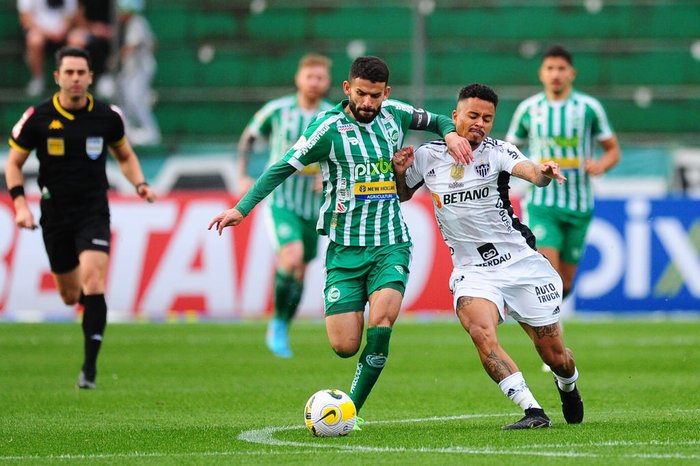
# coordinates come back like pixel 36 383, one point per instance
pixel 528 290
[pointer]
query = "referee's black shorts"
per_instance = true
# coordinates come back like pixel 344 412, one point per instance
pixel 69 229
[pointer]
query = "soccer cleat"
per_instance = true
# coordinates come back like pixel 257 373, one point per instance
pixel 571 405
pixel 535 418
pixel 83 382
pixel 277 338
pixel 358 423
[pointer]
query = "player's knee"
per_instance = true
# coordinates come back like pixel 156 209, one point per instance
pixel 483 338
pixel 70 297
pixel 345 353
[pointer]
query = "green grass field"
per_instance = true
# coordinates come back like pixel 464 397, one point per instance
pixel 212 394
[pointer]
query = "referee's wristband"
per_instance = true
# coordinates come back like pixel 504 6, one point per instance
pixel 138 186
pixel 16 191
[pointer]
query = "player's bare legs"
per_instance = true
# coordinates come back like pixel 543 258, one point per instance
pixel 68 285
pixel 550 345
pixel 480 318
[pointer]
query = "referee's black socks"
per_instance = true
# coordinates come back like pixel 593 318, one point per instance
pixel 94 322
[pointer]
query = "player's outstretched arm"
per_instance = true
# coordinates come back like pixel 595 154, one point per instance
pixel 228 218
pixel 539 175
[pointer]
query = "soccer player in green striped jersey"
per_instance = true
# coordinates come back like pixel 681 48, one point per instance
pixel 368 255
pixel 563 125
pixel 295 203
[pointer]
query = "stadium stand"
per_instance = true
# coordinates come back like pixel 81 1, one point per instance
pixel 220 60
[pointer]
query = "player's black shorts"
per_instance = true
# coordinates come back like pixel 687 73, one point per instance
pixel 71 229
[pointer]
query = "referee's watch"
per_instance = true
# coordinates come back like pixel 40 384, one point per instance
pixel 139 185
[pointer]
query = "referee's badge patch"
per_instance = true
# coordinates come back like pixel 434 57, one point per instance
pixel 93 147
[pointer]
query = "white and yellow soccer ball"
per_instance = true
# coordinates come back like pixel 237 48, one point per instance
pixel 330 413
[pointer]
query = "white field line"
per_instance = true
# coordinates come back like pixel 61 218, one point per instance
pixel 265 436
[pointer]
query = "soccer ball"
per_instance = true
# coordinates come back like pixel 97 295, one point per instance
pixel 330 413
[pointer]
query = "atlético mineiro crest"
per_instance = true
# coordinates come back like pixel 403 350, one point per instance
pixel 482 169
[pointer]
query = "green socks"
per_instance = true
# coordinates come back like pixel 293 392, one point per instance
pixel 288 291
pixel 370 365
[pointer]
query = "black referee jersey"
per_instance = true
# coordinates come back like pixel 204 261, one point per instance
pixel 71 146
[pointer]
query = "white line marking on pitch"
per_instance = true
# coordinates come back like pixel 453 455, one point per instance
pixel 264 436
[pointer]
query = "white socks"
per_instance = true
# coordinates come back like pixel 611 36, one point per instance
pixel 515 388
pixel 567 384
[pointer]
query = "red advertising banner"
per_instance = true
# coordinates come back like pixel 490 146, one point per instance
pixel 164 260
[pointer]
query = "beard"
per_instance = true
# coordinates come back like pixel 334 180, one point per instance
pixel 360 117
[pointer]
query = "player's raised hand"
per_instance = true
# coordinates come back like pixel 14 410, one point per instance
pixel 551 170
pixel 227 218
pixel 402 159
pixel 459 148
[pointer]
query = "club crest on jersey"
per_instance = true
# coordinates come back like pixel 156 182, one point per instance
pixel 393 135
pixel 482 169
pixel 457 172
pixel 94 146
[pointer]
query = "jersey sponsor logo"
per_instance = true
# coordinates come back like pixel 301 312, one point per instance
pixel 353 141
pixel 467 195
pixel 399 269
pixel 343 194
pixel 381 167
pixel 565 164
pixel 455 185
pixel 55 146
pixel 306 146
pixel 340 208
pixel 94 146
pixel 17 129
pixel 547 292
pixel 436 198
pixel 300 143
pixel 56 124
pixel 487 251
pixel 482 169
pixel 457 172
pixel 344 127
pixel 375 191
pixel 495 261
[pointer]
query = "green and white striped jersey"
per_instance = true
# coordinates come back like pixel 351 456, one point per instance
pixel 360 205
pixel 565 132
pixel 283 121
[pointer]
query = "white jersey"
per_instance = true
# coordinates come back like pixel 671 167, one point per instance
pixel 471 203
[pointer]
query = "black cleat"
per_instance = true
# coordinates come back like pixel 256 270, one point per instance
pixel 535 418
pixel 571 405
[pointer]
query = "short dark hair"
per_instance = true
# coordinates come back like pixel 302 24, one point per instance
pixel 67 51
pixel 370 68
pixel 560 52
pixel 480 91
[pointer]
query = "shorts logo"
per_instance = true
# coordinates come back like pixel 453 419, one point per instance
pixel 94 146
pixel 333 295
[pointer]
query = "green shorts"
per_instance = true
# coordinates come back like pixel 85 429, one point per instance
pixel 560 229
pixel 355 272
pixel 290 227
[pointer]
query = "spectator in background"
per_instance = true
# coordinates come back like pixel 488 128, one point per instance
pixel 45 24
pixel 563 125
pixel 137 66
pixel 94 32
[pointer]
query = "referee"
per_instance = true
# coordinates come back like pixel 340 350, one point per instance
pixel 71 133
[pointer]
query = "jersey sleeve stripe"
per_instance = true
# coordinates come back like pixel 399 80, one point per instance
pixel 14 145
pixel 120 142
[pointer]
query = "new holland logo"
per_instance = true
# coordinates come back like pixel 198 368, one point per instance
pixel 482 169
pixel 56 124
pixel 457 172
